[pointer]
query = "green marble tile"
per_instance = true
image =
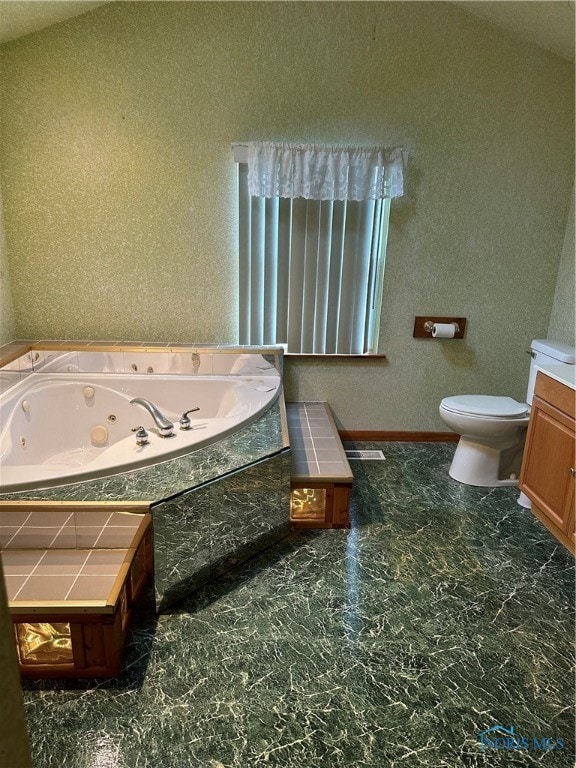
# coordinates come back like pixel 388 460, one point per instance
pixel 443 611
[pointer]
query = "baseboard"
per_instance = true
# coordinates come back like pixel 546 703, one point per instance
pixel 407 437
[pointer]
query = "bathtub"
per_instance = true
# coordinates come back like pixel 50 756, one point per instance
pixel 70 427
pixel 136 362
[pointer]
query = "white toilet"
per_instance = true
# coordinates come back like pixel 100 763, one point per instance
pixel 493 429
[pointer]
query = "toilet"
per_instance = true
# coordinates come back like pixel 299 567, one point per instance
pixel 493 429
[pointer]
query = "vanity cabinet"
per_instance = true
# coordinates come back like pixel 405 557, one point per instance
pixel 549 464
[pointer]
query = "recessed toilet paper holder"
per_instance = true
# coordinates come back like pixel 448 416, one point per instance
pixel 424 324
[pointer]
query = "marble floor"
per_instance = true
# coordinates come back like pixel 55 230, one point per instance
pixel 445 611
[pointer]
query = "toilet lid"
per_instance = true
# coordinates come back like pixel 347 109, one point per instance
pixel 485 405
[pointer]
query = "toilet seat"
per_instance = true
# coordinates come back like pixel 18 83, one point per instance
pixel 485 405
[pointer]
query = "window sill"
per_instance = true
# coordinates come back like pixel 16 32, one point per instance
pixel 338 358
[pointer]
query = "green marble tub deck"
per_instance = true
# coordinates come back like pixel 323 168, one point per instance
pixel 444 611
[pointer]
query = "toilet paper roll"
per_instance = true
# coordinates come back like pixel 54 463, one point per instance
pixel 443 330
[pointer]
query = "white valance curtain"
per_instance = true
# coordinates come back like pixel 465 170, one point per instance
pixel 320 172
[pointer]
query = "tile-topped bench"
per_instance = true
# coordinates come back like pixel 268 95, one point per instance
pixel 73 575
pixel 321 475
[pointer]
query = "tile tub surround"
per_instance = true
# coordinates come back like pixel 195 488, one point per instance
pixel 71 602
pixel 179 489
pixel 68 526
pixel 316 455
pixel 203 497
pixel 61 575
pixel 156 483
pixel 444 611
pixel 65 555
pixel 321 475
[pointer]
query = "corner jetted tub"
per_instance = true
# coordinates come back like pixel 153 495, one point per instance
pixel 66 428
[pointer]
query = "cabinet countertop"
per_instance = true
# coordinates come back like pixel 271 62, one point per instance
pixel 562 372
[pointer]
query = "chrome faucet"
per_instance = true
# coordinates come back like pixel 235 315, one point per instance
pixel 185 422
pixel 165 426
pixel 141 436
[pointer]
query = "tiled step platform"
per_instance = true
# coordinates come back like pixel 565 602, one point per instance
pixel 73 575
pixel 321 475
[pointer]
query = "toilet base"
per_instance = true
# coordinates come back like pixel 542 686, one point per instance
pixel 524 501
pixel 486 466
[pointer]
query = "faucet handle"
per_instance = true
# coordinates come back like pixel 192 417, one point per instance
pixel 141 435
pixel 185 422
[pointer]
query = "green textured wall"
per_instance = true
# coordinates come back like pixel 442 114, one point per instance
pixel 119 188
pixel 562 320
pixel 7 319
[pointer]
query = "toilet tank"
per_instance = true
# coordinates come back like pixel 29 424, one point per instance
pixel 547 352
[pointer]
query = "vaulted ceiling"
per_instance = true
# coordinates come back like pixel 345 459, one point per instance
pixel 21 17
pixel 547 23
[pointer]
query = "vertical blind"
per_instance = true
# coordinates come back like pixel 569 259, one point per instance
pixel 311 272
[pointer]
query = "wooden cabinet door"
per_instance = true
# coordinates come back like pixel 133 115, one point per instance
pixel 572 513
pixel 549 462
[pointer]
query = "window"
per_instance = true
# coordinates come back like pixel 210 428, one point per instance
pixel 311 270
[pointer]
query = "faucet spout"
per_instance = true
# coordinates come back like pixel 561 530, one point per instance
pixel 165 426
